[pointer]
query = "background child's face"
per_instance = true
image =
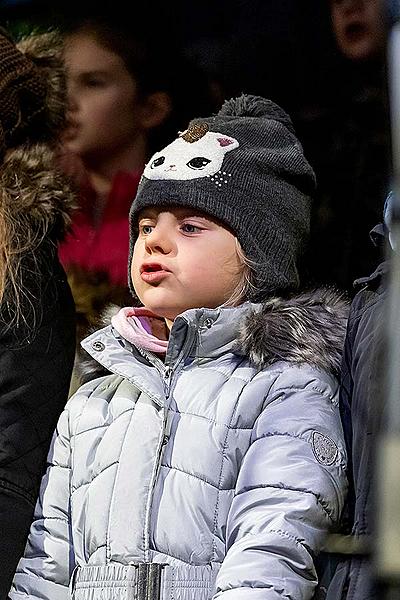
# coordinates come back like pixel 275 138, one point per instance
pixel 104 112
pixel 183 260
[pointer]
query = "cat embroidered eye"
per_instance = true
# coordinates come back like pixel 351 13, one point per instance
pixel 157 162
pixel 199 162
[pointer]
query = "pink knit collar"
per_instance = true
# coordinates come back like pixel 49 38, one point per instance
pixel 134 324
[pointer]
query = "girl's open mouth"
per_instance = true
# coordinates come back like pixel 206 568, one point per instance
pixel 153 272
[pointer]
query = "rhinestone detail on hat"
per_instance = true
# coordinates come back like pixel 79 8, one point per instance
pixel 220 178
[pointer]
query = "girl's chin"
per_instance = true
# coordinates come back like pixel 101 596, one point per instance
pixel 166 313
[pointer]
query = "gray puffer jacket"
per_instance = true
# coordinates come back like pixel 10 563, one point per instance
pixel 226 462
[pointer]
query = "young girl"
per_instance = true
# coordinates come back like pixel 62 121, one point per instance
pixel 209 462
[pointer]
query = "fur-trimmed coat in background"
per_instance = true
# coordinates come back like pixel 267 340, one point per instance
pixel 226 462
pixel 37 339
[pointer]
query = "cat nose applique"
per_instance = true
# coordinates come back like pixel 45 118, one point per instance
pixel 171 168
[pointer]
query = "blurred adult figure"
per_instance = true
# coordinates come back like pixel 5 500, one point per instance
pixel 37 319
pixel 362 405
pixel 348 143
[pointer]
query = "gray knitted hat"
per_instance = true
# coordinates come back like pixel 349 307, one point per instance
pixel 246 167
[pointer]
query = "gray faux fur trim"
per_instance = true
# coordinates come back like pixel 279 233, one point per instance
pixel 307 328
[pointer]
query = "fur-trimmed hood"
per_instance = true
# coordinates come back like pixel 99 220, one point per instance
pixel 307 328
pixel 35 196
pixel 36 204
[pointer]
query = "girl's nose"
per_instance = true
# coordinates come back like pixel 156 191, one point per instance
pixel 159 241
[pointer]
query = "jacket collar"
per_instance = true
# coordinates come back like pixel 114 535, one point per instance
pixel 206 333
pixel 307 328
pixel 196 333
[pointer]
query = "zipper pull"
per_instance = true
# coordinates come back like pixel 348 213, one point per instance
pixel 167 379
pixel 167 428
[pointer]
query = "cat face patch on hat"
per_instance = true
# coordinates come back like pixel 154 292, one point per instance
pixel 196 153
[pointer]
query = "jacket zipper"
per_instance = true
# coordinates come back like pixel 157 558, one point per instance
pixel 163 440
pixel 167 375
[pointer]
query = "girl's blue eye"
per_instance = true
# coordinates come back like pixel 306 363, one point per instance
pixel 189 228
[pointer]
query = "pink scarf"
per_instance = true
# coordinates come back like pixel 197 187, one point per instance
pixel 134 324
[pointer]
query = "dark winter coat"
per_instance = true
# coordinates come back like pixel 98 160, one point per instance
pixel 361 408
pixel 37 344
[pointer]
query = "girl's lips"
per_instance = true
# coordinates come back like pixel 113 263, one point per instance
pixel 153 272
pixel 154 276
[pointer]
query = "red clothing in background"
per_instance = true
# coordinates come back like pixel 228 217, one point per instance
pixel 105 248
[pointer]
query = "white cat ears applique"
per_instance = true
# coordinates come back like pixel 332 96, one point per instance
pixel 196 153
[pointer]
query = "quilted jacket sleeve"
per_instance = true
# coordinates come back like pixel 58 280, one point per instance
pixel 44 570
pixel 290 492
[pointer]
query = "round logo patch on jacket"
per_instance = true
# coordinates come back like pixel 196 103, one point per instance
pixel 325 449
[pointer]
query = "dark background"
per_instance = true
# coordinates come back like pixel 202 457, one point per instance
pixel 279 48
pixel 284 50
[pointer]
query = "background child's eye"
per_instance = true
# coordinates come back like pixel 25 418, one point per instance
pixel 92 81
pixel 157 162
pixel 199 162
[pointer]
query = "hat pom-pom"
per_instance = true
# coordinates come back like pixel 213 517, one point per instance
pixel 255 106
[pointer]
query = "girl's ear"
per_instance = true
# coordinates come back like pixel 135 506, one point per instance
pixel 155 109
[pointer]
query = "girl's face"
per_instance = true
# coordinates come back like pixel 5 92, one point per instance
pixel 183 260
pixel 104 112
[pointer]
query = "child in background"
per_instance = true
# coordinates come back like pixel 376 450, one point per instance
pixel 124 95
pixel 209 460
